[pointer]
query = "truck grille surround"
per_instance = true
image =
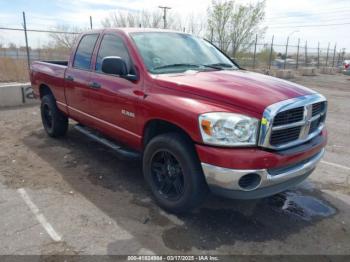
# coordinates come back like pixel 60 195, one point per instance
pixel 292 122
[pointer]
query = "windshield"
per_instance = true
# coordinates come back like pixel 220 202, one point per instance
pixel 167 52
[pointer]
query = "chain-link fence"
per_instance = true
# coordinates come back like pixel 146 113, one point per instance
pixel 16 54
pixel 20 53
pixel 261 54
pixel 279 56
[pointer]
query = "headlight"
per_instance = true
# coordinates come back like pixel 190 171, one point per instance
pixel 228 129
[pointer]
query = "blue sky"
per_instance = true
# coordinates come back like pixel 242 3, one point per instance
pixel 281 17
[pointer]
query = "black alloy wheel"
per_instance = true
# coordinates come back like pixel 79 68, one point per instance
pixel 47 117
pixel 173 172
pixel 167 175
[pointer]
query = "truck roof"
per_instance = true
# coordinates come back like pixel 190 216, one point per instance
pixel 128 30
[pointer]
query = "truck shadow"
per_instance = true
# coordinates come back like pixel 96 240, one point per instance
pixel 117 188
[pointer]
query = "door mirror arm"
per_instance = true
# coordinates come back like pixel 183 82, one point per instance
pixel 129 77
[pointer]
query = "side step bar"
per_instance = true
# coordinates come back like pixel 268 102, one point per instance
pixel 94 135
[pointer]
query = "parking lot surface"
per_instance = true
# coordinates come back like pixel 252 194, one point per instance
pixel 74 196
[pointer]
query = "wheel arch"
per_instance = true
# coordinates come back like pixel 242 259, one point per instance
pixel 157 126
pixel 45 90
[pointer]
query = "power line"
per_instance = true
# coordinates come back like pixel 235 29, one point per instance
pixel 39 31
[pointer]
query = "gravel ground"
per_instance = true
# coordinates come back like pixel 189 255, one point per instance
pixel 93 203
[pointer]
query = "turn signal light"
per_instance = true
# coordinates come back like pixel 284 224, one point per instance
pixel 206 126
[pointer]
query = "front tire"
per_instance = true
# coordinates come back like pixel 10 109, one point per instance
pixel 172 170
pixel 54 121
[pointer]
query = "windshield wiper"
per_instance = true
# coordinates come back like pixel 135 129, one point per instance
pixel 175 65
pixel 220 65
pixel 189 65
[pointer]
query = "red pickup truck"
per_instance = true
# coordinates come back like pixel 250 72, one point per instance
pixel 197 120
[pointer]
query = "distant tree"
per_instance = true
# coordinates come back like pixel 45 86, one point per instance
pixel 65 37
pixel 145 18
pixel 23 48
pixel 264 55
pixel 245 24
pixel 219 16
pixel 11 45
pixel 151 19
pixel 233 26
pixel 133 19
pixel 174 22
pixel 120 19
pixel 2 41
pixel 195 24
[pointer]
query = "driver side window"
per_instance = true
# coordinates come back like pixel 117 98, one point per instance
pixel 112 45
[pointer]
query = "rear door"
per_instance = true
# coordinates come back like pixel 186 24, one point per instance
pixel 77 79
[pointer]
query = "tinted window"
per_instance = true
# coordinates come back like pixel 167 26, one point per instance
pixel 112 45
pixel 84 52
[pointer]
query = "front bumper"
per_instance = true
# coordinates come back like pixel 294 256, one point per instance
pixel 257 183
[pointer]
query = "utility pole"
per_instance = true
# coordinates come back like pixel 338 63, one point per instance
pixel 327 54
pixel 270 58
pixel 90 22
pixel 165 8
pixel 318 55
pixel 305 53
pixel 286 54
pixel 335 49
pixel 254 57
pixel 298 54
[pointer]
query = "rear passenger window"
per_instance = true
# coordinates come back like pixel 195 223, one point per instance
pixel 82 59
pixel 112 45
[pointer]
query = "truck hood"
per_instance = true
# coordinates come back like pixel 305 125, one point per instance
pixel 240 88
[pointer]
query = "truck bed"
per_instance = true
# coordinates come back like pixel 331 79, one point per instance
pixel 52 74
pixel 50 67
pixel 56 62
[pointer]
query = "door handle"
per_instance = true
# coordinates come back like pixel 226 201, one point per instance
pixel 139 93
pixel 95 85
pixel 69 78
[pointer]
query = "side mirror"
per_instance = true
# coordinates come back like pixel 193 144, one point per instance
pixel 114 65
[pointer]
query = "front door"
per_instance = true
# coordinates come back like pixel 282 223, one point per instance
pixel 114 99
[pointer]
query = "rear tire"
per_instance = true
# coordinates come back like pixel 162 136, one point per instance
pixel 54 121
pixel 173 172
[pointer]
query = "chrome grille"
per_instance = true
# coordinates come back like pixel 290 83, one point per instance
pixel 285 135
pixel 318 108
pixel 289 116
pixel 292 122
pixel 317 122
